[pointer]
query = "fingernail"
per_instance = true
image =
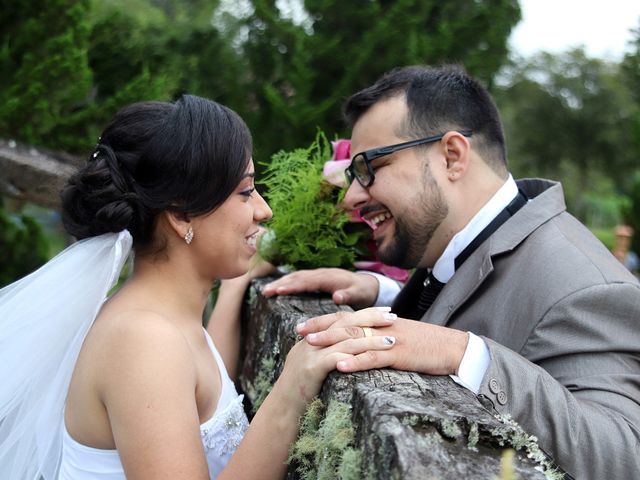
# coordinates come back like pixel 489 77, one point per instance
pixel 389 340
pixel 383 309
pixel 299 326
pixel 312 336
pixel 342 364
pixel 339 298
pixel 390 316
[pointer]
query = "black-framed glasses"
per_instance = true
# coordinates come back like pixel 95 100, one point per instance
pixel 361 168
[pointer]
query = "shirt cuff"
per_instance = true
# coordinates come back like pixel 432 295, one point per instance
pixel 474 364
pixel 387 289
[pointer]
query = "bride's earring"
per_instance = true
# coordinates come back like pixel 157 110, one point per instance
pixel 188 237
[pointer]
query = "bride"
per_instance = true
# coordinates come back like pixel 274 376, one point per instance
pixel 131 385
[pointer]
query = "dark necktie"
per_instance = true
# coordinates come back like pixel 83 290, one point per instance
pixel 431 287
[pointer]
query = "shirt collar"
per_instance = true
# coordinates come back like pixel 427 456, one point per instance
pixel 444 267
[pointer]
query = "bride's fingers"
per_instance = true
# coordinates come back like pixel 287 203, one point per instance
pixel 340 334
pixel 322 322
pixel 368 317
pixel 334 335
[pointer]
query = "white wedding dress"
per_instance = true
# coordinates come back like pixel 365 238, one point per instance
pixel 221 435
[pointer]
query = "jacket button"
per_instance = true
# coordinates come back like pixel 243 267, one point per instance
pixel 494 386
pixel 502 398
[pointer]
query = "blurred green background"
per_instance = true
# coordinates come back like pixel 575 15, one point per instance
pixel 66 66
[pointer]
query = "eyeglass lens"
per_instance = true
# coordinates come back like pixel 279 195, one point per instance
pixel 361 170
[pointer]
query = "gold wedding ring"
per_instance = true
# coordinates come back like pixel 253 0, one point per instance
pixel 368 332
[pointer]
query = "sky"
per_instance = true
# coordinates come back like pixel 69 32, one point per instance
pixel 602 27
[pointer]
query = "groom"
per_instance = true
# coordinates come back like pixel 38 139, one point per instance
pixel 511 296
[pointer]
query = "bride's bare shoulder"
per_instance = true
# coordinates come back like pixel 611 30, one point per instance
pixel 132 315
pixel 139 341
pixel 136 325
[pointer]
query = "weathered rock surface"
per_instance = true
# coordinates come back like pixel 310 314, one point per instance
pixel 407 425
pixel 34 175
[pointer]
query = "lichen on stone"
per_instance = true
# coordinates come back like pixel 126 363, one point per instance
pixel 513 436
pixel 253 297
pixel 473 437
pixel 263 382
pixel 410 420
pixel 350 466
pixel 325 447
pixel 450 429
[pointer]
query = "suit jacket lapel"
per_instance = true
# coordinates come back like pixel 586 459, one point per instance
pixel 479 266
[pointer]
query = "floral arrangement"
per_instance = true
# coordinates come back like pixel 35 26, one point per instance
pixel 309 229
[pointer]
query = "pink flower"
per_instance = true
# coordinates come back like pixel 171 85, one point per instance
pixel 333 170
pixel 341 149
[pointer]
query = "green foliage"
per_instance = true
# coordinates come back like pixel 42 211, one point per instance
pixel 23 246
pixel 325 447
pixel 69 65
pixel 60 64
pixel 307 230
pixel 605 235
pixel 630 68
pixel 631 65
pixel 568 109
pixel 45 49
pixel 301 71
pixel 570 118
pixel 631 211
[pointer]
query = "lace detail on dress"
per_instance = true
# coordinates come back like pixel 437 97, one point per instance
pixel 226 429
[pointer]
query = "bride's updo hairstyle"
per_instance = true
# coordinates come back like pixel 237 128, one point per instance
pixel 185 157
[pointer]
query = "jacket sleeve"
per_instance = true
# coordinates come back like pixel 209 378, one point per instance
pixel 576 382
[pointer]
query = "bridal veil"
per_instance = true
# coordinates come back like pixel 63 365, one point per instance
pixel 44 319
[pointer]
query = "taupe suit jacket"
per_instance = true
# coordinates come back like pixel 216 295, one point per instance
pixel 561 318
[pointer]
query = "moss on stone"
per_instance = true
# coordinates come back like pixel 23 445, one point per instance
pixel 350 466
pixel 410 420
pixel 474 436
pixel 263 382
pixel 513 436
pixel 325 447
pixel 431 439
pixel 450 429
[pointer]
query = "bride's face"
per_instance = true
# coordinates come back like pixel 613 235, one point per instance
pixel 226 238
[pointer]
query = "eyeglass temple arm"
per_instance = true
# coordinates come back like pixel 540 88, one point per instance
pixel 385 150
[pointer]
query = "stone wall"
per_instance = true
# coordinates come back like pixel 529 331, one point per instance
pixel 35 175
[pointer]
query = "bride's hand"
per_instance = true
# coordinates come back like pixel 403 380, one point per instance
pixel 307 365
